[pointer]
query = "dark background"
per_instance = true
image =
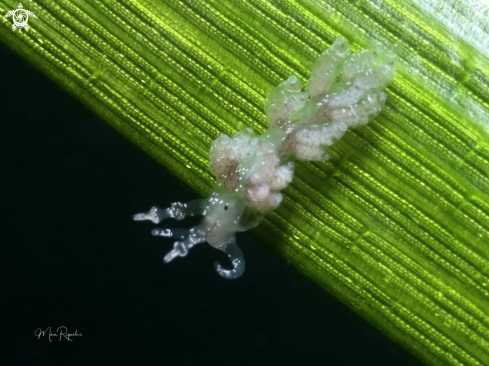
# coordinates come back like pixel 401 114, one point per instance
pixel 71 256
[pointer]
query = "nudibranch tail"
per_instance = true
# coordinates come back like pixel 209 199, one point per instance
pixel 345 91
pixel 327 68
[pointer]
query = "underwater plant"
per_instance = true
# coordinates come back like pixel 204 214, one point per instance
pixel 399 233
pixel 344 91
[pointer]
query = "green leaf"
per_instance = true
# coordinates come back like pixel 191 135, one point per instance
pixel 396 225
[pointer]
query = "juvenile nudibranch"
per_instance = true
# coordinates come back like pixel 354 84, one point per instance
pixel 344 91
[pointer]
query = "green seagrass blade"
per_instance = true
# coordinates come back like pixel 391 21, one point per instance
pixel 396 224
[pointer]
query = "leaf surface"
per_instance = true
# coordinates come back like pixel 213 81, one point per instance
pixel 396 224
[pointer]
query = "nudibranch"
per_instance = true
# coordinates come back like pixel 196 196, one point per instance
pixel 344 91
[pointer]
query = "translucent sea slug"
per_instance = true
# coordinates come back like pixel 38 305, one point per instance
pixel 344 91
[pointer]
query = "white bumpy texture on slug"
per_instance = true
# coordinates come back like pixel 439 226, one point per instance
pixel 344 91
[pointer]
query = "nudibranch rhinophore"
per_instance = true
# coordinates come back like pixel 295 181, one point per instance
pixel 344 91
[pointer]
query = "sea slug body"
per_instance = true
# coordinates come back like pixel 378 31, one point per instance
pixel 345 91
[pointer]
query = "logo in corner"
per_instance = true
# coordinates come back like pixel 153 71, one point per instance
pixel 20 17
